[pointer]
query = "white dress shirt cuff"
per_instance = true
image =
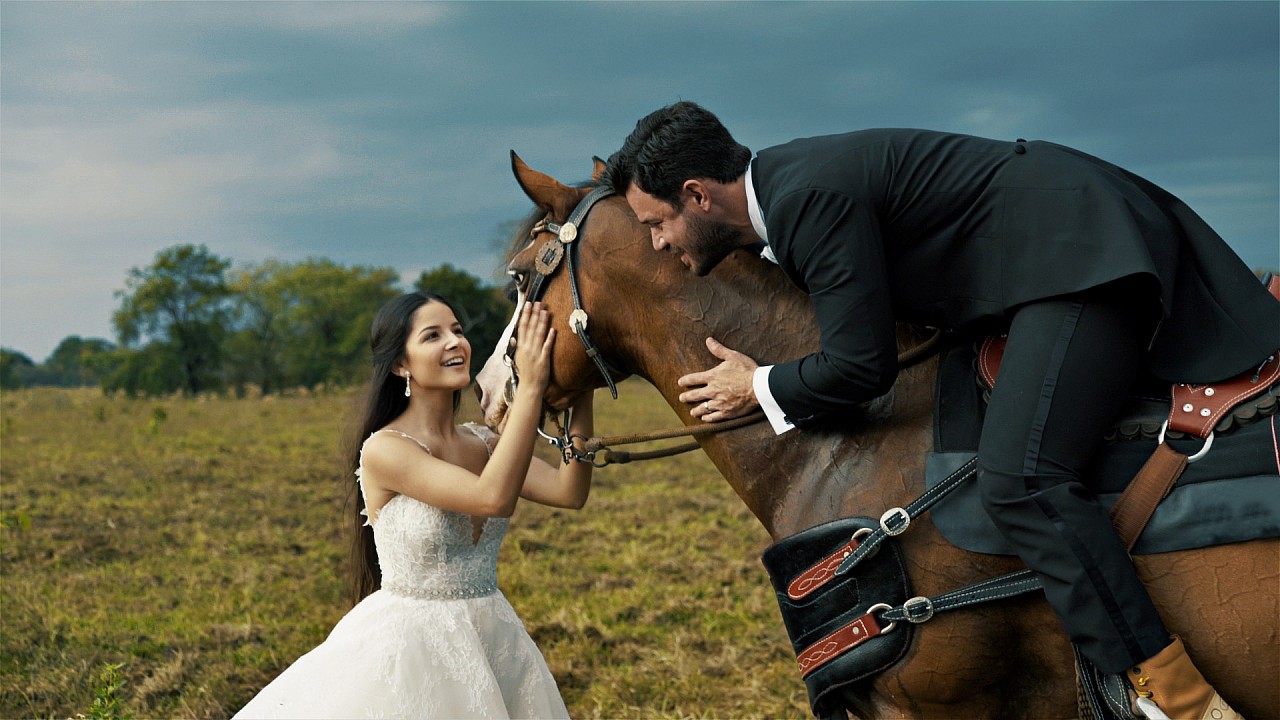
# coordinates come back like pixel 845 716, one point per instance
pixel 760 384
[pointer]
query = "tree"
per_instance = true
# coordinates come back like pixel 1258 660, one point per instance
pixel 156 369
pixel 77 362
pixel 483 311
pixel 260 301
pixel 179 300
pixel 15 369
pixel 309 321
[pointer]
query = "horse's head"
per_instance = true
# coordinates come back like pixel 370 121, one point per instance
pixel 557 258
pixel 646 314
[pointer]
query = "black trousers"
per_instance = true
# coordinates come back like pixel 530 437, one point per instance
pixel 1067 369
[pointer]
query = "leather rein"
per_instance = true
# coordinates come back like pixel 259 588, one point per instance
pixel 561 248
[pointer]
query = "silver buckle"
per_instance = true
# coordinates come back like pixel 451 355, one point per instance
pixel 883 606
pixel 891 513
pixel 926 613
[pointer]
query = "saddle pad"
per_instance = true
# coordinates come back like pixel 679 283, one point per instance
pixel 1231 495
pixel 1198 514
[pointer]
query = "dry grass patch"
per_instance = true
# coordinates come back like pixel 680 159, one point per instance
pixel 199 543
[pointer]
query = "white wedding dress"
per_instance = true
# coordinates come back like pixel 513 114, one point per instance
pixel 439 640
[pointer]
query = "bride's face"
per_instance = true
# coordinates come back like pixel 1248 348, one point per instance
pixel 437 353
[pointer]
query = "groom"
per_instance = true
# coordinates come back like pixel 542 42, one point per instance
pixel 1094 273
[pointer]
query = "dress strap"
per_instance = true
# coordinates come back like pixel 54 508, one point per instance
pixel 486 435
pixel 409 437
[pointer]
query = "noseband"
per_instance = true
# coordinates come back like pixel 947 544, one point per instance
pixel 563 245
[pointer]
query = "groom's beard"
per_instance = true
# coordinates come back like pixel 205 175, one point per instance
pixel 708 242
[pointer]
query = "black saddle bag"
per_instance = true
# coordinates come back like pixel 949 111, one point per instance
pixel 881 578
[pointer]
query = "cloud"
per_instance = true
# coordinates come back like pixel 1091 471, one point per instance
pixel 378 133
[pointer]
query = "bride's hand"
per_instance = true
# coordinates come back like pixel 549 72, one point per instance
pixel 535 339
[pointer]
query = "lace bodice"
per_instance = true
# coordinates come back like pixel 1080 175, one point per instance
pixel 427 552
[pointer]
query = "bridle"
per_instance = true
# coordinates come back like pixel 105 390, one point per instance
pixel 562 246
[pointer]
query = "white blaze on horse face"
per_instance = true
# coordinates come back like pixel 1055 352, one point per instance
pixel 494 375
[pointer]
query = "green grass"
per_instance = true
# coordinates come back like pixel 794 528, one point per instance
pixel 199 545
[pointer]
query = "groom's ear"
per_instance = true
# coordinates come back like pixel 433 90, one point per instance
pixel 696 190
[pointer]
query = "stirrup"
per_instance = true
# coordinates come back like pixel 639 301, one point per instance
pixel 1150 710
pixel 1102 696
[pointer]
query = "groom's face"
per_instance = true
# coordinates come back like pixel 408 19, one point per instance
pixel 707 241
pixel 699 242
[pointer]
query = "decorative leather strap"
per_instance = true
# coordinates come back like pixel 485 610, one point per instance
pixel 815 577
pixel 1138 502
pixel 1197 408
pixel 838 643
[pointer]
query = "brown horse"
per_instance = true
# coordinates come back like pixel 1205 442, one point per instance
pixel 650 317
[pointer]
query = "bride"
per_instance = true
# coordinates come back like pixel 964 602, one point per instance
pixel 432 635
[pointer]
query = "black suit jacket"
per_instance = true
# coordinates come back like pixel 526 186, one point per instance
pixel 956 231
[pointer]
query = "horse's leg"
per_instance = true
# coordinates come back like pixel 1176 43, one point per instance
pixel 1225 603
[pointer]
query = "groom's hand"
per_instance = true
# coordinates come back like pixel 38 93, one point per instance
pixel 724 392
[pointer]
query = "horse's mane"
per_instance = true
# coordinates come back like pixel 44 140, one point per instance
pixel 520 236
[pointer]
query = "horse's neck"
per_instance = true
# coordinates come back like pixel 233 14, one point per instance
pixel 800 478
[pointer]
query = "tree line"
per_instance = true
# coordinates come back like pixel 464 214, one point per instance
pixel 189 323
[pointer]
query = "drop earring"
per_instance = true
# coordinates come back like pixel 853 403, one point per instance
pixel 408 383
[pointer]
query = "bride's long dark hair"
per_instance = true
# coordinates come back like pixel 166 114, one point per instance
pixel 385 402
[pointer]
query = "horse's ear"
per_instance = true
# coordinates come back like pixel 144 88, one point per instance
pixel 545 191
pixel 597 169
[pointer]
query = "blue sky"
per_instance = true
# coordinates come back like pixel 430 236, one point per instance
pixel 378 133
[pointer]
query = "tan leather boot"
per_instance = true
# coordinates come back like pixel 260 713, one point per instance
pixel 1177 688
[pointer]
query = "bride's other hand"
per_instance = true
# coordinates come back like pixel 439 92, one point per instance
pixel 535 339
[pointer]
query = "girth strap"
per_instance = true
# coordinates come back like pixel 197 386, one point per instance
pixel 1138 502
pixel 880 619
pixel 921 609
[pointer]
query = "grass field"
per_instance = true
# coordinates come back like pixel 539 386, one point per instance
pixel 199 544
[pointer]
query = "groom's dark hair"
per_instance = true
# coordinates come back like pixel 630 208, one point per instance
pixel 674 144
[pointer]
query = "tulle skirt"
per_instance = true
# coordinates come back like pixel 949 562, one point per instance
pixel 395 656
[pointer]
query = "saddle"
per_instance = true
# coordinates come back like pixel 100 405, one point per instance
pixel 1185 466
